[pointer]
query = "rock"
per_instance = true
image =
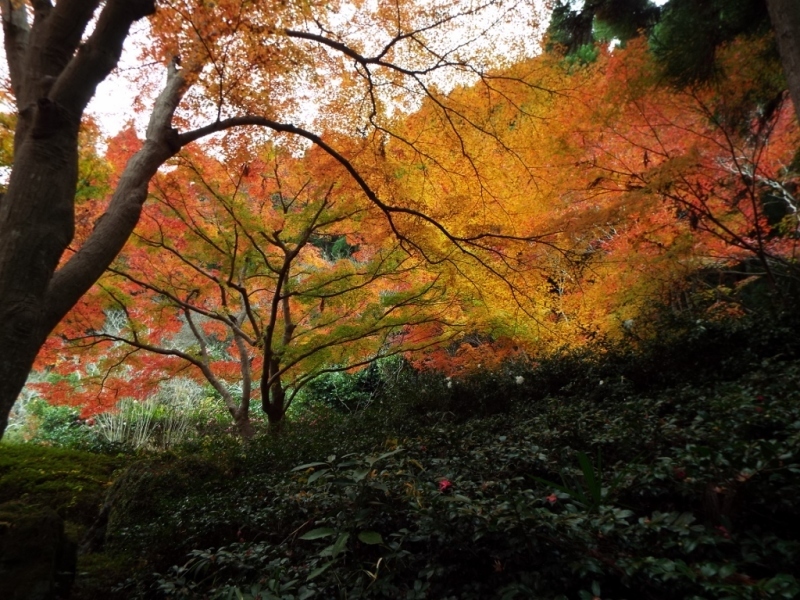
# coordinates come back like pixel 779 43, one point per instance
pixel 37 561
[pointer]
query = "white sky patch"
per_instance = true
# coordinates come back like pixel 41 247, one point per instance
pixel 134 85
pixel 578 4
pixel 114 103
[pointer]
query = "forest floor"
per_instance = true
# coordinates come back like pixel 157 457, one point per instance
pixel 572 479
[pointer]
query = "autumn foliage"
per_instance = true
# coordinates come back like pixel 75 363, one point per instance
pixel 577 200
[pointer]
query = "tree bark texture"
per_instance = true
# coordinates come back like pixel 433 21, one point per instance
pixel 785 17
pixel 53 76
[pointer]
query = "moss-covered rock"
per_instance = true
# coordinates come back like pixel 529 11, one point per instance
pixel 71 482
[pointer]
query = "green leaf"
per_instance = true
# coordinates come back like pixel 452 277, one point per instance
pixel 684 520
pixel 315 534
pixel 340 544
pixel 726 571
pixel 371 460
pixel 319 571
pixel 308 466
pixel 708 569
pixel 370 537
pixel 588 475
pixel 306 593
pixel 360 474
pixel 317 474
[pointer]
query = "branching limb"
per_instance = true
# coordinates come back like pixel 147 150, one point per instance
pixel 111 232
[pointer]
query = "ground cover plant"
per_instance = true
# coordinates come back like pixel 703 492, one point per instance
pixel 604 486
pixel 73 483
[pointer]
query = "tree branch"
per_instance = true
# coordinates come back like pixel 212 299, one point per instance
pixel 115 226
pixel 16 31
pixel 100 54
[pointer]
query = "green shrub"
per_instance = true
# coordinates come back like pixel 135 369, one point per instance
pixel 344 391
pixel 688 492
pixel 632 469
pixel 59 426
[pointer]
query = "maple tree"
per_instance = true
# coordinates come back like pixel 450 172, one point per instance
pixel 257 277
pixel 658 183
pixel 244 63
pixel 646 190
pixel 557 208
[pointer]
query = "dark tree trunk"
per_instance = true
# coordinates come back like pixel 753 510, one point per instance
pixel 54 74
pixel 785 17
pixel 30 249
pixel 273 394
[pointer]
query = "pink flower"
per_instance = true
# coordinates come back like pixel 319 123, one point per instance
pixel 552 498
pixel 445 485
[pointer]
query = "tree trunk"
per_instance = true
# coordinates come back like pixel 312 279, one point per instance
pixel 54 72
pixel 785 17
pixel 37 225
pixel 242 420
pixel 36 221
pixel 273 395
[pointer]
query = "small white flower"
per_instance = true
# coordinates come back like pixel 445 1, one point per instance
pixel 519 379
pixel 601 382
pixel 449 383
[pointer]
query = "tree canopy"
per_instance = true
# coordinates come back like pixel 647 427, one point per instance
pixel 320 186
pixel 229 65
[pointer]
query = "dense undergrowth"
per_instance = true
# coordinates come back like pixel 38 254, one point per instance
pixel 665 470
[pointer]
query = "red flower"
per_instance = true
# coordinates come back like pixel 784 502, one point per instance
pixel 552 498
pixel 723 532
pixel 679 473
pixel 445 485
